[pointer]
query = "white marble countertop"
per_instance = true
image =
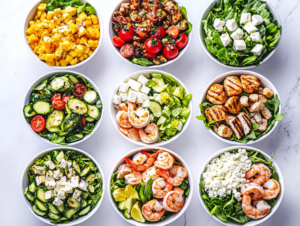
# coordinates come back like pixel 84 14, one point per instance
pixel 19 69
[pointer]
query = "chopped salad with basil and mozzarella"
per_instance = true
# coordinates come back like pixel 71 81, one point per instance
pixel 151 108
pixel 63 186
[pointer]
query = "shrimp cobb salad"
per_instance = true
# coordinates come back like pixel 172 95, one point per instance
pixel 150 186
pixel 151 108
pixel 239 185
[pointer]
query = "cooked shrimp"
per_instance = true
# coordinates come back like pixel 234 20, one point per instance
pixel 258 211
pixel 122 119
pixel 133 178
pixel 260 172
pixel 138 117
pixel 150 173
pixel 139 158
pixel 123 170
pixel 254 190
pixel 123 107
pixel 272 189
pixel 132 133
pixel 178 172
pixel 160 188
pixel 145 166
pixel 164 161
pixel 153 210
pixel 173 201
pixel 150 134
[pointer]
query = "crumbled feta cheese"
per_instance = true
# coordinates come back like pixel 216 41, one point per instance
pixel 124 97
pixel 62 181
pixel 61 194
pixel 219 24
pixel 257 20
pixel 50 164
pixel 83 185
pixel 139 158
pixel 123 87
pixel 146 103
pixel 40 180
pixel 39 170
pixel 76 194
pixel 68 188
pixel 57 174
pixel 136 86
pixel 117 99
pixel 255 37
pixel 250 28
pixel 74 181
pixel 69 164
pixel 57 202
pixel 63 163
pixel 231 24
pixel 49 175
pixel 157 97
pixel 239 45
pixel 179 127
pixel 225 39
pixel 237 34
pixel 50 184
pixel 142 79
pixel 132 96
pixel 257 49
pixel 245 18
pixel 141 97
pixel 49 194
pixel 145 89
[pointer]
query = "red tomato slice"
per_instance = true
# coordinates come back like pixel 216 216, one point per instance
pixel 66 98
pixel 149 55
pixel 153 46
pixel 56 96
pixel 126 33
pixel 160 33
pixel 127 50
pixel 173 31
pixel 83 121
pixel 117 41
pixel 170 52
pixel 38 123
pixel 79 90
pixel 141 33
pixel 182 41
pixel 58 104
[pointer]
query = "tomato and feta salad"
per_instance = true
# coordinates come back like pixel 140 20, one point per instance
pixel 150 32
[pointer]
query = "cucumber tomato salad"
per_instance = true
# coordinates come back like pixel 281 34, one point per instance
pixel 63 109
pixel 63 186
pixel 151 108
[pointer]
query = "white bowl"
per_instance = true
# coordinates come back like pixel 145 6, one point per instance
pixel 202 35
pixel 31 15
pixel 24 184
pixel 117 50
pixel 135 76
pixel 264 83
pixel 278 199
pixel 172 218
pixel 48 75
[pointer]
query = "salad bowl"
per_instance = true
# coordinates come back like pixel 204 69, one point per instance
pixel 278 198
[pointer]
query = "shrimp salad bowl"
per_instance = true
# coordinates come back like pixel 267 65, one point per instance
pixel 241 185
pixel 150 185
pixel 151 107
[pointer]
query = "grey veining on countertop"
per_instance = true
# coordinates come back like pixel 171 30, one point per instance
pixel 17 145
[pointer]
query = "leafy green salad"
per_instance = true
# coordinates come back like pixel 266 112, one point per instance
pixel 241 32
pixel 54 4
pixel 63 186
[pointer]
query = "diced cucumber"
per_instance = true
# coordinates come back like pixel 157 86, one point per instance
pixel 160 85
pixel 90 96
pixel 84 211
pixel 40 194
pixel 73 79
pixel 85 171
pixel 70 212
pixel 93 112
pixel 57 84
pixel 42 107
pixel 32 187
pixel 156 108
pixel 53 209
pixel 91 178
pixel 37 211
pixel 29 196
pixel 40 206
pixel 60 156
pixel 77 106
pixel 61 208
pixel 28 110
pixel 89 119
pixel 54 216
pixel 76 167
pixel 161 120
pixel 73 203
pixel 121 205
pixel 91 188
pixel 83 203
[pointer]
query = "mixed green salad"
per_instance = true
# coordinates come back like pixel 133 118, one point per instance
pixel 241 32
pixel 63 108
pixel 54 4
pixel 63 186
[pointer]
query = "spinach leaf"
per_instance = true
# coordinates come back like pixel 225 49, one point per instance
pixel 54 4
pixel 89 9
pixel 58 140
pixel 279 117
pixel 89 127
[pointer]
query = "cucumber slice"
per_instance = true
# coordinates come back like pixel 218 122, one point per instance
pixel 90 96
pixel 32 187
pixel 54 120
pixel 42 107
pixel 54 216
pixel 76 167
pixel 85 171
pixel 83 203
pixel 89 119
pixel 77 106
pixel 73 79
pixel 53 209
pixel 161 120
pixel 67 83
pixel 73 203
pixel 121 205
pixel 57 84
pixel 93 112
pixel 29 196
pixel 40 194
pixel 160 85
pixel 91 178
pixel 28 108
pixel 60 156
pixel 91 188
pixel 40 206
pixel 61 208
pixel 84 211
pixel 156 108
pixel 70 212
pixel 38 212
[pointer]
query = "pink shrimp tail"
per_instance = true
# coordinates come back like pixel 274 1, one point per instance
pixel 166 175
pixel 146 153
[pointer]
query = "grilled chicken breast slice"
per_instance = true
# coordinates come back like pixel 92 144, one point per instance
pixel 250 83
pixel 233 105
pixel 215 113
pixel 253 97
pixel 268 92
pixel 228 118
pixel 262 98
pixel 224 131
pixel 246 122
pixel 237 128
pixel 257 117
pixel 252 119
pixel 244 101
pixel 216 94
pixel 266 113
pixel 260 91
pixel 263 125
pixel 232 86
pixel 256 106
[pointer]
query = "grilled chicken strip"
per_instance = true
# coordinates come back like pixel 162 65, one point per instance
pixel 246 122
pixel 257 117
pixel 252 119
pixel 268 92
pixel 256 106
pixel 215 113
pixel 171 8
pixel 237 128
pixel 224 131
pixel 250 83
pixel 244 101
pixel 216 94
pixel 228 118
pixel 232 86
pixel 233 105
pixel 263 125
pixel 253 97
pixel 262 98
pixel 260 91
pixel 266 113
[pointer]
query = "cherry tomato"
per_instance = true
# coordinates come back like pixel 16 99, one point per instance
pixel 66 98
pixel 56 96
pixel 83 121
pixel 141 33
pixel 149 55
pixel 182 41
pixel 170 52
pixel 127 50
pixel 79 90
pixel 160 33
pixel 38 123
pixel 153 46
pixel 58 104
pixel 117 41
pixel 152 17
pixel 173 31
pixel 126 33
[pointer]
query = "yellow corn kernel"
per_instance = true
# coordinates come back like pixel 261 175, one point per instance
pixel 67 16
pixel 70 38
pixel 73 28
pixel 96 26
pixel 79 49
pixel 57 12
pixel 42 7
pixel 72 53
pixel 50 63
pixel 56 20
pixel 63 63
pixel 64 45
pixel 43 16
pixel 41 56
pixel 77 41
pixel 91 31
pixel 97 33
pixel 81 31
pixel 45 33
pixel 74 61
pixel 58 52
pixel 49 57
pixel 71 10
pixel 36 49
pixel 94 19
pixel 79 55
pixel 29 31
pixel 85 56
pixel 96 43
pixel 83 40
pixel 33 38
pixel 47 42
pixel 81 58
pixel 57 64
pixel 38 14
pixel 91 52
pixel 90 43
pixel 83 16
pixel 50 15
pixel 69 58
pixel 86 49
pixel 88 22
pixel 40 51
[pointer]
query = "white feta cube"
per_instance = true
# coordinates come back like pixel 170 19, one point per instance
pixel 61 194
pixel 250 28
pixel 57 202
pixel 39 170
pixel 142 79
pixel 123 87
pixel 76 194
pixel 141 97
pixel 225 39
pixel 179 127
pixel 75 181
pixel 50 184
pixel 257 20
pixel 57 174
pixel 136 86
pixel 257 49
pixel 219 24
pixel 68 188
pixel 146 103
pixel 40 180
pixel 63 163
pixel 49 194
pixel 239 45
pixel 124 97
pixel 245 18
pixel 49 175
pixel 145 89
pixel 255 37
pixel 237 34
pixel 132 95
pixel 117 99
pixel 83 185
pixel 50 164
pixel 231 24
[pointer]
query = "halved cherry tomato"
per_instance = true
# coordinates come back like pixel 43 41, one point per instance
pixel 66 98
pixel 141 33
pixel 170 52
pixel 117 41
pixel 79 90
pixel 126 33
pixel 153 46
pixel 38 123
pixel 127 50
pixel 56 96
pixel 58 104
pixel 173 31
pixel 83 121
pixel 182 41
pixel 149 55
pixel 160 33
pixel 152 17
